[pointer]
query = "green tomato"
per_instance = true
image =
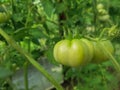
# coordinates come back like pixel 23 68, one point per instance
pixel 3 17
pixel 69 52
pixel 104 18
pixel 100 54
pixel 100 6
pixel 89 49
pixel 102 12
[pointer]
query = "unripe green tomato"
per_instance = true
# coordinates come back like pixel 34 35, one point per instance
pixel 69 52
pixel 3 17
pixel 100 54
pixel 89 49
pixel 102 11
pixel 100 6
pixel 104 17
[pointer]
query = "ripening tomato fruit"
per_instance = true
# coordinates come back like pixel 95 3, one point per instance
pixel 100 54
pixel 76 52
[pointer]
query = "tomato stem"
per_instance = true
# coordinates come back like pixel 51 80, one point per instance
pixel 102 33
pixel 31 60
pixel 29 49
pixel 26 75
pixel 95 13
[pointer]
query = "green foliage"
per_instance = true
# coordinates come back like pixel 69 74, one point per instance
pixel 100 77
pixel 37 25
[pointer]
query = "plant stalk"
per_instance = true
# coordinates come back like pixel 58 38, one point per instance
pixel 26 75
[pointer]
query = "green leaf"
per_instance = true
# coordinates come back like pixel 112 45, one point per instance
pixel 60 7
pixel 48 7
pixel 49 54
pixel 37 33
pixel 20 34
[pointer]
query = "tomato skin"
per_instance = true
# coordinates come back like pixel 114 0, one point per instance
pixel 102 12
pixel 3 17
pixel 104 17
pixel 100 6
pixel 100 54
pixel 89 49
pixel 69 52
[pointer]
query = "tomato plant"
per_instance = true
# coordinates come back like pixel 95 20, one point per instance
pixel 72 26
